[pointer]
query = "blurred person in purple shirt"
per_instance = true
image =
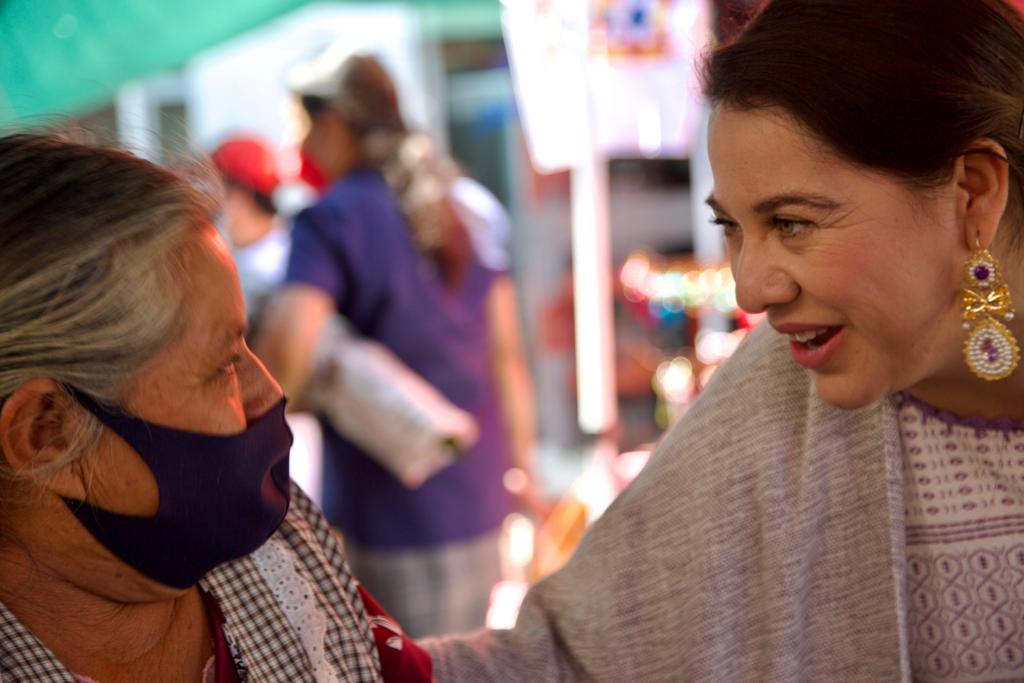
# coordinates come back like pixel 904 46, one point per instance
pixel 412 255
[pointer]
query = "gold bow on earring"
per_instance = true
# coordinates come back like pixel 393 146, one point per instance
pixel 996 303
pixel 991 352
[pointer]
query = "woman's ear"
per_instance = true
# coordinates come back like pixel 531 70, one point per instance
pixel 37 424
pixel 982 178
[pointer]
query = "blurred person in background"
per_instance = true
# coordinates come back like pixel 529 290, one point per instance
pixel 258 237
pixel 413 256
pixel 148 527
pixel 844 501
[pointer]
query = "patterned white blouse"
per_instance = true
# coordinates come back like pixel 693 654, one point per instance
pixel 965 545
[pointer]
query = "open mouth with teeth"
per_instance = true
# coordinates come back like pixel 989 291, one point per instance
pixel 812 339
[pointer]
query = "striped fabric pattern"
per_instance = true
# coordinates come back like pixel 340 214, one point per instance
pixel 965 546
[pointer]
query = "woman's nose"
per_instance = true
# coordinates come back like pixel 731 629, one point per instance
pixel 260 392
pixel 761 277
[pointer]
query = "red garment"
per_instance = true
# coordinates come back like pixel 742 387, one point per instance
pixel 224 667
pixel 401 660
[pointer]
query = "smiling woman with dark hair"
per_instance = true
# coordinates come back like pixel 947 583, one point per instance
pixel 845 502
pixel 148 527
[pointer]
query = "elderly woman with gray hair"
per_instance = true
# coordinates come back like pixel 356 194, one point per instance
pixel 149 530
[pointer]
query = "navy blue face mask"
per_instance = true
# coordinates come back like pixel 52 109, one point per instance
pixel 221 497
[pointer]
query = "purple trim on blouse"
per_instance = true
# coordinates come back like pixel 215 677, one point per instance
pixel 1000 424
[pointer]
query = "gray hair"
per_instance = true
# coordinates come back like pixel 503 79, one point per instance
pixel 91 241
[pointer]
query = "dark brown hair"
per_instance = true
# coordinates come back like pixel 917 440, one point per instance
pixel 418 172
pixel 901 86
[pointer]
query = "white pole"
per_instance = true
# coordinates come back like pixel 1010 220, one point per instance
pixel 592 272
pixel 137 121
pixel 708 246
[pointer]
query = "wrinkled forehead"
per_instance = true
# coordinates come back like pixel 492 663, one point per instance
pixel 212 306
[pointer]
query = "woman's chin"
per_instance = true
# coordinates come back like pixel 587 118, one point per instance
pixel 848 393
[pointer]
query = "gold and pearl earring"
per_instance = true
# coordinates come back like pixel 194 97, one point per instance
pixel 991 351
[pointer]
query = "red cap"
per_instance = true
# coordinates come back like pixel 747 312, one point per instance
pixel 247 161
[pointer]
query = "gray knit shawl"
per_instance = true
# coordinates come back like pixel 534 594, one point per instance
pixel 764 541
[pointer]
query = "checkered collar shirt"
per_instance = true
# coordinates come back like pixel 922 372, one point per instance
pixel 265 646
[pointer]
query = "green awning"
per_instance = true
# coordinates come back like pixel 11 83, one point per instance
pixel 66 56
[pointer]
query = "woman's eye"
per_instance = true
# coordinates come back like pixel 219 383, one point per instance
pixel 729 227
pixel 790 227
